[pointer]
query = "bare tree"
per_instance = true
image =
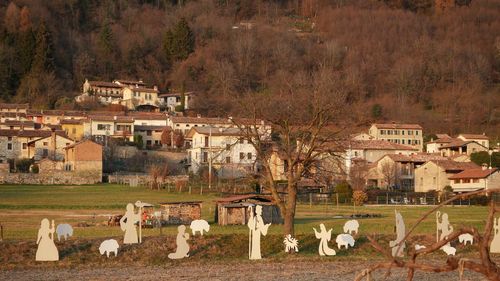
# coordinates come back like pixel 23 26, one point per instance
pixel 301 114
pixel 484 265
pixel 389 173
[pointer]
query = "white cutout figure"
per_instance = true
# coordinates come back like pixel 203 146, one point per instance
pixel 64 230
pixel 127 224
pixel 291 244
pixel 182 250
pixel 400 234
pixel 351 226
pixel 495 243
pixel 419 247
pixel 449 250
pixel 443 228
pixel 325 237
pixel 47 250
pixel 257 228
pixel 199 226
pixel 109 246
pixel 466 237
pixel 345 240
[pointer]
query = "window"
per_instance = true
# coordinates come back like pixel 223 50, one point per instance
pixel 466 181
pixel 456 181
pixel 45 152
pixel 382 132
pixel 25 145
pixel 228 146
pixel 206 142
pixel 410 132
pixel 205 157
pixel 73 130
pixel 9 146
pixel 177 125
pixel 249 155
pixel 475 180
pixel 403 141
pixel 148 142
pixel 123 128
pixel 403 132
pixel 102 127
pixel 228 159
pixel 416 133
pixel 242 140
pixel 9 138
pixel 242 155
pixel 149 133
pixel 67 143
pixel 45 143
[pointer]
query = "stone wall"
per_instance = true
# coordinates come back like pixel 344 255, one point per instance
pixel 143 179
pixel 51 177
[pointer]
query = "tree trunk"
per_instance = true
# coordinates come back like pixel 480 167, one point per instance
pixel 290 208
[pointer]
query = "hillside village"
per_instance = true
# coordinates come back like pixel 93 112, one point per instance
pixel 35 145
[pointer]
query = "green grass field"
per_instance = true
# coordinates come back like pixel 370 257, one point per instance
pixel 23 207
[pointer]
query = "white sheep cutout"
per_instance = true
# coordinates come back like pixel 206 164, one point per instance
pixel 449 250
pixel 351 226
pixel 109 246
pixel 291 244
pixel 64 230
pixel 419 247
pixel 466 237
pixel 344 240
pixel 199 226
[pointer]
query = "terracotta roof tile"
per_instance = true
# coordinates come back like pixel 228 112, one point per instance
pixel 474 136
pixel 478 173
pixel 398 126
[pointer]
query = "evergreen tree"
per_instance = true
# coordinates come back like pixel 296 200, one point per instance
pixel 26 50
pixel 106 39
pixel 179 42
pixel 43 59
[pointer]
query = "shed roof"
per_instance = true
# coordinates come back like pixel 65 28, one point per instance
pixel 239 198
pixel 478 173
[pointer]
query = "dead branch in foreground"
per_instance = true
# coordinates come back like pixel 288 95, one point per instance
pixel 484 265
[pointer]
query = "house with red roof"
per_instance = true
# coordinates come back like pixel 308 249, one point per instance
pixel 406 134
pixel 475 179
pixel 433 175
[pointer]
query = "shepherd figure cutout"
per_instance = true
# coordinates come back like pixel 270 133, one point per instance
pixel 495 243
pixel 47 250
pixel 127 224
pixel 257 228
pixel 325 237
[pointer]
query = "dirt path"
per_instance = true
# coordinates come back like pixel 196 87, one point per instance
pixel 260 270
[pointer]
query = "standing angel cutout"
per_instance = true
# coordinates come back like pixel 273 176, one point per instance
pixel 47 250
pixel 127 224
pixel 257 228
pixel 398 246
pixel 325 237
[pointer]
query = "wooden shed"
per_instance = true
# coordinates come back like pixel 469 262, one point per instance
pixel 234 209
pixel 181 212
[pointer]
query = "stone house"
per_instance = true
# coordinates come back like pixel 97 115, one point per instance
pixel 481 139
pixel 225 148
pixel 140 98
pixel 397 171
pixel 51 147
pixel 14 107
pixel 116 126
pixel 459 146
pixel 17 125
pixel 172 100
pixel 434 174
pixel 406 134
pixel 74 128
pixel 475 179
pixel 151 135
pixel 84 156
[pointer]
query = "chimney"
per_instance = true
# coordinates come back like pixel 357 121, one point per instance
pixel 484 166
pixel 115 117
pixel 155 88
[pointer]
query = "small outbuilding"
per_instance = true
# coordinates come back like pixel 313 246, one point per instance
pixel 181 212
pixel 235 209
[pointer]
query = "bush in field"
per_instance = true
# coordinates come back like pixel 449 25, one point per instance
pixel 359 197
pixel 35 169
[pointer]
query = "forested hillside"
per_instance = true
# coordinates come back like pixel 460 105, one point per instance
pixel 432 62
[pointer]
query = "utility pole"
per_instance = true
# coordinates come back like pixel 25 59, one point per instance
pixel 210 158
